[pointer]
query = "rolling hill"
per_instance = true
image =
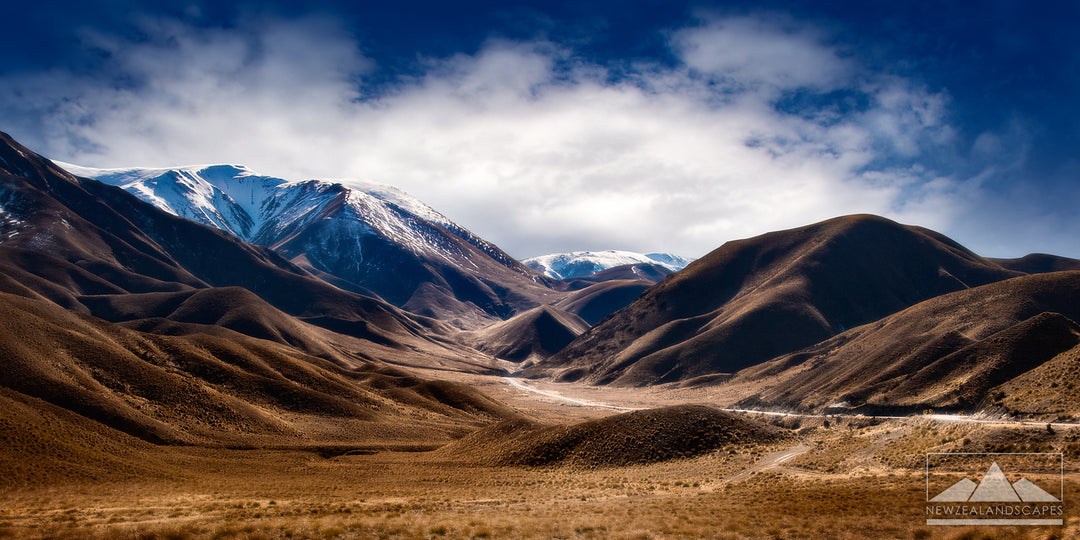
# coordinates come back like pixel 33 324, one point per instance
pixel 755 299
pixel 596 301
pixel 215 389
pixel 954 352
pixel 532 335
pixel 1039 263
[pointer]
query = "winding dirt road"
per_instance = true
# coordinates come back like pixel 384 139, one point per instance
pixel 941 418
pixel 770 461
pixel 518 384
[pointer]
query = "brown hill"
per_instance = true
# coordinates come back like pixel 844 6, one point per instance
pixel 233 308
pixel 1051 390
pixel 534 334
pixel 949 352
pixel 217 389
pixel 752 300
pixel 632 438
pixel 1039 263
pixel 652 273
pixel 596 301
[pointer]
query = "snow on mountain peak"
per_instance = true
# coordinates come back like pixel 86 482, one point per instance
pixel 586 263
pixel 229 197
pixel 266 210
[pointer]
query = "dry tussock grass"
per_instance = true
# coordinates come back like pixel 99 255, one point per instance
pixel 280 494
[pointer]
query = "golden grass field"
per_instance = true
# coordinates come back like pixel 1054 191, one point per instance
pixel 856 478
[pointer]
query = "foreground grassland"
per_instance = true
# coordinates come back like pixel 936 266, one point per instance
pixel 850 480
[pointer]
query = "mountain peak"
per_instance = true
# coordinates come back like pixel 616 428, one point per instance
pixel 576 264
pixel 17 160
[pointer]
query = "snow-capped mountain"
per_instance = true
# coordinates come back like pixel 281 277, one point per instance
pixel 586 263
pixel 366 236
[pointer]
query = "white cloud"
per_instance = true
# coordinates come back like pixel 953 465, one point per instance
pixel 523 143
pixel 754 51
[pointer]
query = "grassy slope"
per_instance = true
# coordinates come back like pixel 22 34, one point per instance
pixel 202 389
pixel 950 351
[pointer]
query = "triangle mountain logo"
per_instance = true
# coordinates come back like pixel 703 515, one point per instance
pixel 995 487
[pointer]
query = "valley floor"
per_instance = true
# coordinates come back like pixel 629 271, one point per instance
pixel 838 478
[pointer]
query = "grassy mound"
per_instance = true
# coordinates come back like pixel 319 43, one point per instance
pixel 632 438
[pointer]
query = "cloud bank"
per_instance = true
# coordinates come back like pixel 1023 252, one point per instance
pixel 763 123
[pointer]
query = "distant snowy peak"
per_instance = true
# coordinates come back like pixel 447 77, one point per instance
pixel 586 263
pixel 672 261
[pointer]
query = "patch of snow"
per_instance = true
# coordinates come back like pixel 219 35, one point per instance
pixel 397 197
pixel 670 260
pixel 229 197
pixel 9 220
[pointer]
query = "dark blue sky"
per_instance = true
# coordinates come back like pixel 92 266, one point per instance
pixel 995 166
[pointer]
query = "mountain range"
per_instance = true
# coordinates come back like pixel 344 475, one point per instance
pixel 375 240
pixel 368 238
